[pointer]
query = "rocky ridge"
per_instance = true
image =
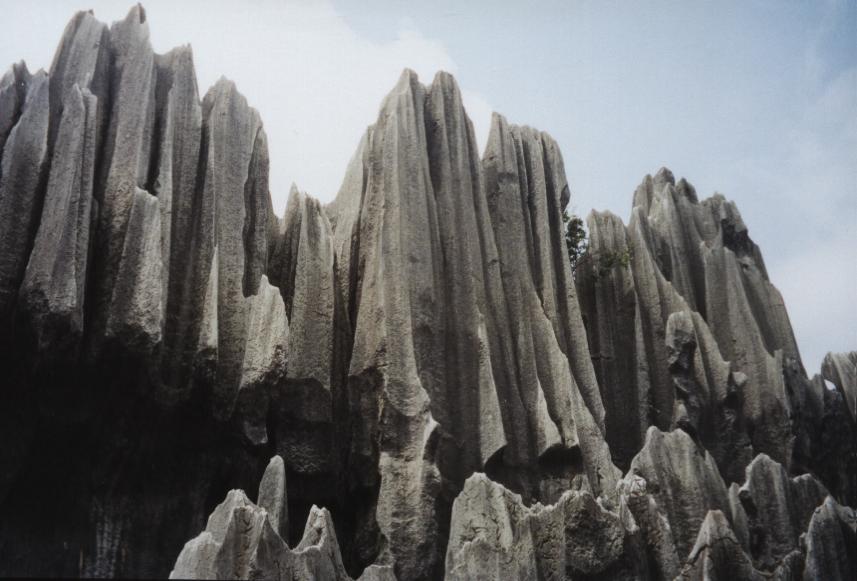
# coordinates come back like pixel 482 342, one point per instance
pixel 417 356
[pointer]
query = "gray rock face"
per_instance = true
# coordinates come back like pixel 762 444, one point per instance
pixel 831 542
pixel 13 93
pixel 185 255
pixel 53 289
pixel 658 546
pixel 226 548
pixel 272 495
pixel 841 370
pixel 417 355
pixel 778 509
pixel 663 344
pixel 717 553
pixel 302 266
pixel 494 536
pixel 264 359
pixel 241 541
pixel 121 192
pixel 437 349
pixel 615 335
pixel 526 191
pixel 24 161
pixel 683 480
pixel 232 131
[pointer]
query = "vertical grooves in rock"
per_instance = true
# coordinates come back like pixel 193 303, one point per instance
pixel 13 93
pixel 125 163
pixel 22 188
pixel 257 206
pixel 163 334
pixel 176 186
pixel 53 289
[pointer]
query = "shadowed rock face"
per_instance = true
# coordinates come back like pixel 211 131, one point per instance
pixel 687 331
pixel 698 331
pixel 494 536
pixel 241 541
pixel 416 356
pixel 841 370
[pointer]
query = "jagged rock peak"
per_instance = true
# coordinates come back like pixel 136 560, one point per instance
pixel 741 367
pixel 778 509
pixel 494 536
pixel 241 541
pixel 831 542
pixel 683 480
pixel 418 354
pixel 717 554
pixel 471 308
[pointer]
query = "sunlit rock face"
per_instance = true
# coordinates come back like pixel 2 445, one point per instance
pixel 411 376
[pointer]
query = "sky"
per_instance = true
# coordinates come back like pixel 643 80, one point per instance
pixel 754 99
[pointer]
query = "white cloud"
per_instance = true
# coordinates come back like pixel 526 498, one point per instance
pixel 316 83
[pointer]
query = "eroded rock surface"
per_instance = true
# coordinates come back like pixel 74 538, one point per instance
pixel 717 554
pixel 778 509
pixel 841 370
pixel 831 542
pixel 241 541
pixel 495 536
pixel 441 395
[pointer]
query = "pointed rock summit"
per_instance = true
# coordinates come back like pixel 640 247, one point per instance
pixel 412 376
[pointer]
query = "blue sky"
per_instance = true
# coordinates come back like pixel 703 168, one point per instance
pixel 756 100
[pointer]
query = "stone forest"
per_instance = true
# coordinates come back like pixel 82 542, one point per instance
pixel 411 382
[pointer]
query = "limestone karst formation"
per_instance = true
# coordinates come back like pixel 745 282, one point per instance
pixel 412 377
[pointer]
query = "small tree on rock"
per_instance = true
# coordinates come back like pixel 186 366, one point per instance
pixel 575 238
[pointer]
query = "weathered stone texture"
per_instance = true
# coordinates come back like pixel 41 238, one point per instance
pixel 241 541
pixel 442 396
pixel 841 370
pixel 494 536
